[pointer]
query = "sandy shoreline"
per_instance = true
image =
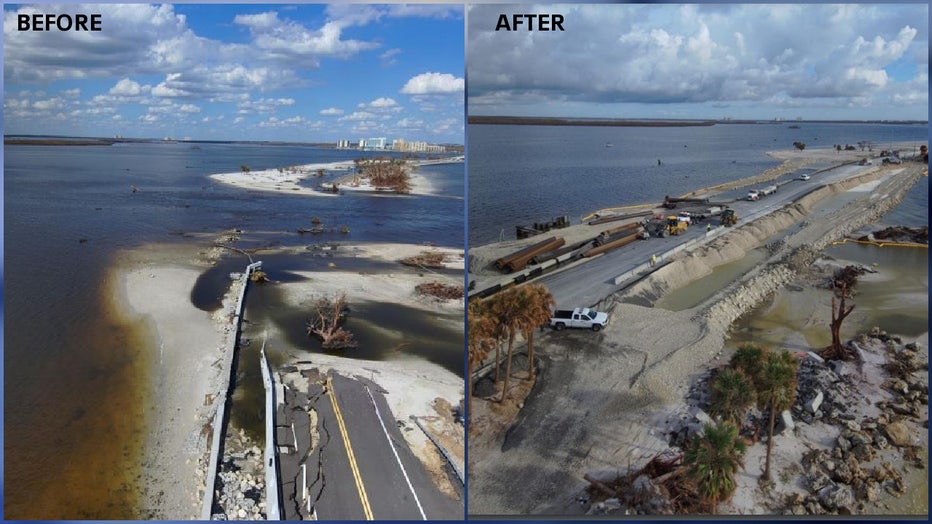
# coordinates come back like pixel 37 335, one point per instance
pixel 185 376
pixel 152 286
pixel 286 180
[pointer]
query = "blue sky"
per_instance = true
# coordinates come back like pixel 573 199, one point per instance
pixel 314 73
pixel 705 61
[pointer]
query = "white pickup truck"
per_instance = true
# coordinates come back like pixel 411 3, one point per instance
pixel 755 194
pixel 578 318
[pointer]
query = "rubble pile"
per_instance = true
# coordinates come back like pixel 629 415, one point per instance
pixel 240 488
pixel 919 235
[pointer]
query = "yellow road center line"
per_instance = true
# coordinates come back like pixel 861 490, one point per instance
pixel 363 498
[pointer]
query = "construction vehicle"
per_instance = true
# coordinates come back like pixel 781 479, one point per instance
pixel 729 218
pixel 675 226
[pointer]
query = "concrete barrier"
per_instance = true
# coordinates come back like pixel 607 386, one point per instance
pixel 224 394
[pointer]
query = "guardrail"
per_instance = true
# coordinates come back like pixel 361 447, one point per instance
pixel 272 498
pixel 221 415
pixel 443 451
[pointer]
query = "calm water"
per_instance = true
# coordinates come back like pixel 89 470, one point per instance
pixel 74 400
pixel 525 174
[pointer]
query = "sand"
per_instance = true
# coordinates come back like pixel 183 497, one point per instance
pixel 286 180
pixel 185 377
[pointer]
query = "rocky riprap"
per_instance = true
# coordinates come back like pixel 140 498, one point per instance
pixel 868 455
pixel 240 488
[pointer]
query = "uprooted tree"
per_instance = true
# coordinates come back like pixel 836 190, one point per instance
pixel 329 314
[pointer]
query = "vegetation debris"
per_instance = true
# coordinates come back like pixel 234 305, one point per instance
pixel 440 290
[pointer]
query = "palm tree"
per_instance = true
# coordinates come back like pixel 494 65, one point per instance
pixel 480 329
pixel 539 305
pixel 713 459
pixel 747 359
pixel 776 391
pixel 731 394
pixel 509 308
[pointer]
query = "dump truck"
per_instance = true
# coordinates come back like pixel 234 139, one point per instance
pixel 578 318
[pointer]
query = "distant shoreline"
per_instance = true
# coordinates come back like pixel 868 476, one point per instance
pixel 57 142
pixel 608 122
pixel 547 121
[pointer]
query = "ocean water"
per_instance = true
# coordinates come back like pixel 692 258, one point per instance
pixel 74 392
pixel 518 175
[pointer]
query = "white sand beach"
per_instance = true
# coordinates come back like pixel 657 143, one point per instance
pixel 286 180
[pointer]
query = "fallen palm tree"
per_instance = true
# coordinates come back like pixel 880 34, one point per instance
pixel 660 487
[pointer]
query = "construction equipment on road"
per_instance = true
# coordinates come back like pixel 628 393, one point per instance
pixel 729 217
pixel 655 226
pixel 671 202
pixel 675 226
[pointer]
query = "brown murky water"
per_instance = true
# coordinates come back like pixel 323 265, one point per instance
pixel 94 442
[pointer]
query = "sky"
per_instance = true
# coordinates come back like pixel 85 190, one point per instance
pixel 847 62
pixel 309 73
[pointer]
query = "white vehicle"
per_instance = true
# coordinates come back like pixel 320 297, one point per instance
pixel 756 194
pixel 578 318
pixel 803 177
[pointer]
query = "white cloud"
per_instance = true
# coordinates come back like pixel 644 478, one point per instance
pixel 410 123
pixel 126 87
pixel 48 105
pixel 357 116
pixel 137 39
pixel 288 122
pixel 433 83
pixel 264 105
pixel 698 53
pixel 388 57
pixel 286 40
pixel 383 103
pixel 331 111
